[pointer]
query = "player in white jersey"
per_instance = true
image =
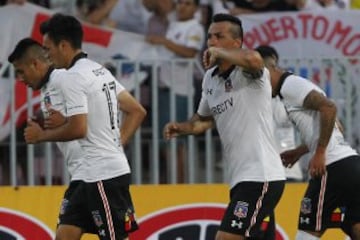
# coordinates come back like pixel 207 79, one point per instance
pixel 35 70
pixel 334 166
pixel 101 203
pixel 236 96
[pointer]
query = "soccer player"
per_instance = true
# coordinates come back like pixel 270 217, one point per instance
pixel 101 203
pixel 34 69
pixel 236 97
pixel 334 165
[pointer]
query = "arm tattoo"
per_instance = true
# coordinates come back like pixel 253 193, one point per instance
pixel 327 110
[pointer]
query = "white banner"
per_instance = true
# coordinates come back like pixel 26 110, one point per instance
pixel 305 34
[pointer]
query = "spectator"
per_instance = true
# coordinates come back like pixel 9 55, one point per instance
pixel 160 16
pixel 96 11
pixel 44 3
pixel 130 16
pixel 210 8
pixel 237 7
pixel 184 39
pixel 321 4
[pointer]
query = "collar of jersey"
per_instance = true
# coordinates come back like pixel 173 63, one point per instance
pixel 281 82
pixel 46 77
pixel 223 75
pixel 78 57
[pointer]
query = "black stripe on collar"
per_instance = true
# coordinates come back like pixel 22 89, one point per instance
pixel 281 82
pixel 46 78
pixel 77 57
pixel 225 74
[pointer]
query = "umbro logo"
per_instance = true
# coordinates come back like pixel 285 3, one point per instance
pixel 209 91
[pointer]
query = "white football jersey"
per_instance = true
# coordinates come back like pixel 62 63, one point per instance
pixel 93 90
pixel 294 91
pixel 53 98
pixel 241 108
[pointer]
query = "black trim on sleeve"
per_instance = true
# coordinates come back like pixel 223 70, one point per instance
pixel 281 82
pixel 46 78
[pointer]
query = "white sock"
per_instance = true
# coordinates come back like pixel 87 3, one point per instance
pixel 301 235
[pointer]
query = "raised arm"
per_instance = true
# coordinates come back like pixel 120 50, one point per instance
pixel 250 60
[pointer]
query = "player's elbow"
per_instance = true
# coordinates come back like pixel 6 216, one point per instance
pixel 141 113
pixel 254 61
pixel 329 109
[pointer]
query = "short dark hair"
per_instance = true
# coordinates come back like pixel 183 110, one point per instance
pixel 223 17
pixel 22 48
pixel 63 27
pixel 267 51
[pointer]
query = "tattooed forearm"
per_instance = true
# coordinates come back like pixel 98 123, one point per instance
pixel 327 110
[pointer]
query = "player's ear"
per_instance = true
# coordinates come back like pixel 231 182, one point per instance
pixel 237 43
pixel 34 63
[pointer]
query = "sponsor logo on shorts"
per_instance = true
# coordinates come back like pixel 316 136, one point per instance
pixel 130 222
pixel 97 218
pixel 236 224
pixel 102 232
pixel 304 220
pixel 241 209
pixel 306 206
pixel 63 206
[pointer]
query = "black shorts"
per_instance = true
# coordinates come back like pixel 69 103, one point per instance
pixel 327 197
pixel 251 203
pixel 104 208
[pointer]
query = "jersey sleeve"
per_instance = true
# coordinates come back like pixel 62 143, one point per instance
pixel 295 89
pixel 75 94
pixel 119 87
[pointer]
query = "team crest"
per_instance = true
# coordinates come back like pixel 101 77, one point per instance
pixel 241 209
pixel 306 206
pixel 228 85
pixel 63 206
pixel 97 218
pixel 130 222
pixel 47 101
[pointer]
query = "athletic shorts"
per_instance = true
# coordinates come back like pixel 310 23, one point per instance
pixel 104 208
pixel 332 200
pixel 250 204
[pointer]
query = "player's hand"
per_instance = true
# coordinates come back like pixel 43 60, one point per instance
pixel 33 132
pixel 210 57
pixel 171 130
pixel 317 166
pixel 54 119
pixel 290 157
